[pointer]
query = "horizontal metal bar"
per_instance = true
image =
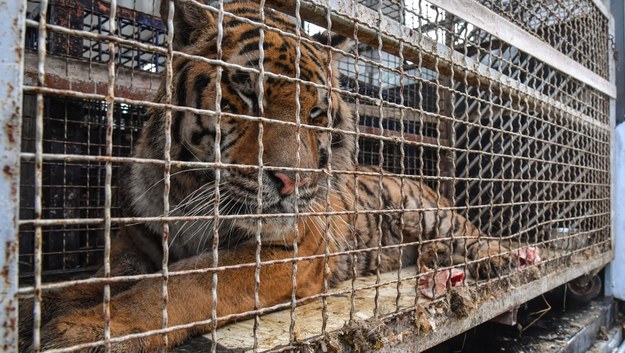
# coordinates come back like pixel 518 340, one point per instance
pixel 51 286
pixel 83 76
pixel 484 18
pixel 162 219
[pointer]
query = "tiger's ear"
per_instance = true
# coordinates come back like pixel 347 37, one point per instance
pixel 190 20
pixel 336 41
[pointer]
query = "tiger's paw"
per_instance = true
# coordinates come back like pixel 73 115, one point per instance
pixel 493 259
pixel 435 255
pixel 84 328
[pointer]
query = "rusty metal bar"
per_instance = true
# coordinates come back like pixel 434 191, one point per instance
pixel 38 194
pixel 68 73
pixel 11 77
pixel 167 170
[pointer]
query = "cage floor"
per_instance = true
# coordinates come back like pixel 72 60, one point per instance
pixel 465 306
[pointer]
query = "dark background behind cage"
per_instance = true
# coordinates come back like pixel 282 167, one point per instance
pixel 71 189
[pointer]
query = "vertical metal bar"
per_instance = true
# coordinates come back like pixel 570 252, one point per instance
pixel 376 307
pixel 446 131
pixel 11 78
pixel 217 200
pixel 110 102
pixel 550 214
pixel 352 307
pixel 41 58
pixel 491 160
pixel 615 285
pixel 298 55
pixel 420 95
pixel 467 118
pixel 328 207
pixel 437 111
pixel 259 195
pixel 167 168
pixel 402 157
pixel 612 69
pixel 480 137
pixel 450 134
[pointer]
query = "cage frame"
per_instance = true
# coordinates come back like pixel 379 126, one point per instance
pixel 9 144
pixel 11 71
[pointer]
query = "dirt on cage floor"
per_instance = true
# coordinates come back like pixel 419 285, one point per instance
pixel 366 333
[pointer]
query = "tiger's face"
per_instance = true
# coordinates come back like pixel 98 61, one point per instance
pixel 302 126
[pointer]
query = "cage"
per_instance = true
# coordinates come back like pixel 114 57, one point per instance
pixel 497 112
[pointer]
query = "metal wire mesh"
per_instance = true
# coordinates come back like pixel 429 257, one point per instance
pixel 94 17
pixel 559 22
pixel 476 125
pixel 71 189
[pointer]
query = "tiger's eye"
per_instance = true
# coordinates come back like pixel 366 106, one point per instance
pixel 318 116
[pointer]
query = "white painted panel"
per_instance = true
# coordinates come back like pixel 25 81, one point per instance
pixel 615 274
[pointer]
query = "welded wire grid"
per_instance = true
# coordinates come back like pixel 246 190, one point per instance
pixel 525 158
pixel 95 17
pixel 72 189
pixel 577 29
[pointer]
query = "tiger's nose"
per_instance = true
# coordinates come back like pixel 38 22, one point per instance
pixel 288 183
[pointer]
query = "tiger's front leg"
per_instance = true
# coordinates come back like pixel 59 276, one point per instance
pixel 125 259
pixel 463 242
pixel 139 309
pixel 452 239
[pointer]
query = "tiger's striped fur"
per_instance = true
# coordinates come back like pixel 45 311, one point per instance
pixel 73 315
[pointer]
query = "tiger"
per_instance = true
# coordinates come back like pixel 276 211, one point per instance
pixel 307 168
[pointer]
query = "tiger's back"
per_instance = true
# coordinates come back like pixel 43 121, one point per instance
pixel 390 210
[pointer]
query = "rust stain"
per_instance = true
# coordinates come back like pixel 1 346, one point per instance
pixel 8 171
pixel 9 128
pixel 102 7
pixel 57 82
pixel 5 274
pixel 101 88
pixel 11 307
pixel 19 52
pixel 9 325
pixel 11 251
pixel 81 86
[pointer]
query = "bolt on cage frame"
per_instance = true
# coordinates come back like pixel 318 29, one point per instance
pixel 507 108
